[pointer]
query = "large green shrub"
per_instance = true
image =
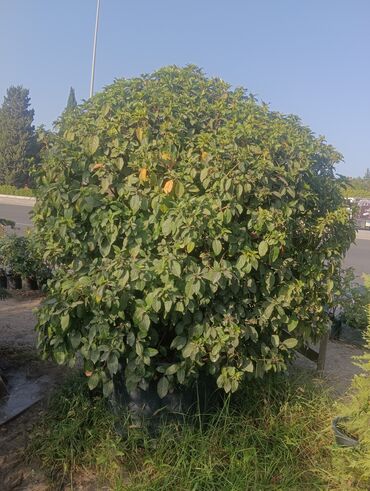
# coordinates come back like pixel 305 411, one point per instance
pixel 189 227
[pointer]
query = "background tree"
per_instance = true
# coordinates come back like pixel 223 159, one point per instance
pixel 18 145
pixel 61 123
pixel 71 103
pixel 367 174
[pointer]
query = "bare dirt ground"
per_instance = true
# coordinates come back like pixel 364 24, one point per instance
pixel 17 347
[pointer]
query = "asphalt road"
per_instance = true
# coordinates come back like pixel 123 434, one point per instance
pixel 18 210
pixel 358 257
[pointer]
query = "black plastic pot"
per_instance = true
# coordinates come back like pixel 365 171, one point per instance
pixel 3 280
pixel 341 438
pixel 146 404
pixel 14 282
pixel 29 284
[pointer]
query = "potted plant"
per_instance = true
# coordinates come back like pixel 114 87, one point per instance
pixel 173 211
pixel 3 281
pixel 342 435
pixel 18 261
pixel 353 427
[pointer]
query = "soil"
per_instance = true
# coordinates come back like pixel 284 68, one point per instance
pixel 18 349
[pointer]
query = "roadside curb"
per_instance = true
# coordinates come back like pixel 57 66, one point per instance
pixel 12 196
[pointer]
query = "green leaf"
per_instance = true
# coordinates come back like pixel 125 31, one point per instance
pixel 92 144
pixel 203 174
pixel 190 246
pixel 59 356
pixel 176 268
pixel 213 276
pixel 167 227
pixel 241 262
pixel 167 305
pixel 64 321
pixel 268 311
pixel 123 281
pixel 162 387
pixel 93 381
pixel 275 340
pixel 188 350
pixel 172 369
pixel 108 388
pixel 75 339
pixel 262 248
pixel 216 246
pixel 292 324
pixel 135 203
pixel 112 364
pixel 179 342
pixel 274 254
pixel 290 343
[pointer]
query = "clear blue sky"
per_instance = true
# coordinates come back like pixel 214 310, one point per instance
pixel 308 57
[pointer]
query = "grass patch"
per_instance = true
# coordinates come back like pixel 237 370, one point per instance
pixel 14 191
pixel 273 435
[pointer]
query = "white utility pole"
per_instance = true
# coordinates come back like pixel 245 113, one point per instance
pixel 94 49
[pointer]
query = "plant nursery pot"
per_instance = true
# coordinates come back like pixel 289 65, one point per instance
pixel 14 282
pixel 3 280
pixel 29 284
pixel 146 404
pixel 341 438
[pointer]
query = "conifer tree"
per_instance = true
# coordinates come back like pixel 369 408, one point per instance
pixel 71 103
pixel 18 145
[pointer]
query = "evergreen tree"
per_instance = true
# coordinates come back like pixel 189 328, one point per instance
pixel 367 174
pixel 18 145
pixel 60 123
pixel 71 103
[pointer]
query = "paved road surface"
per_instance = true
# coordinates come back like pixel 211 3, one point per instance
pixel 358 257
pixel 18 210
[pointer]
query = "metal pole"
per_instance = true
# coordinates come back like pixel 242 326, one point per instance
pixel 94 49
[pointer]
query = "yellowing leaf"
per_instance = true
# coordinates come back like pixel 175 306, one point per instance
pixel 165 156
pixel 167 188
pixel 204 156
pixel 97 166
pixel 143 174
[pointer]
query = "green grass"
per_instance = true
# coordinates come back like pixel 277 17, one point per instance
pixel 274 435
pixel 13 191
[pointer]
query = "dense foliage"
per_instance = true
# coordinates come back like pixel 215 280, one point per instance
pixel 19 257
pixel 350 300
pixel 191 229
pixel 358 188
pixel 14 191
pixel 18 143
pixel 355 463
